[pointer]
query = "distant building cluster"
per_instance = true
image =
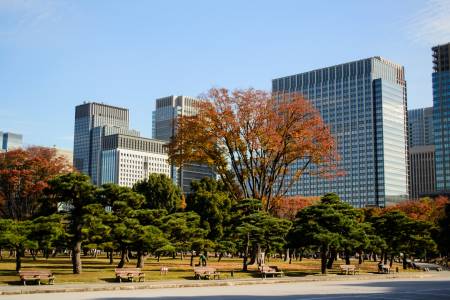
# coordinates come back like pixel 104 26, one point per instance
pixel 388 153
pixel 107 150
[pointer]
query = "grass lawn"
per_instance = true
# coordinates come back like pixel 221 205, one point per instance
pixel 99 270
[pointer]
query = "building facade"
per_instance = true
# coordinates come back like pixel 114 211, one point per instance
pixel 441 115
pixel 94 121
pixel 10 141
pixel 364 103
pixel 422 173
pixel 164 119
pixel 422 179
pixel 129 159
pixel 420 125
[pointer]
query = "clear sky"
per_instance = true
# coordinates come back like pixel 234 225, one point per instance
pixel 57 54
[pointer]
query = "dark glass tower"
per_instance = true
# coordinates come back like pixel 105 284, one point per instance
pixel 441 115
pixel 364 103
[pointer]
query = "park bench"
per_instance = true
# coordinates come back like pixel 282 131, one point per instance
pixel 427 266
pixel 129 274
pixel 163 270
pixel 270 270
pixel 36 276
pixel 206 273
pixel 348 269
pixel 385 269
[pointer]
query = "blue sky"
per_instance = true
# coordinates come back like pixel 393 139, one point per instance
pixel 57 54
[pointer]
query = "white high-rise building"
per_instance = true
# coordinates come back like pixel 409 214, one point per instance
pixel 129 159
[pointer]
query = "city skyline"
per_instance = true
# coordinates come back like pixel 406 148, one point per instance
pixel 65 53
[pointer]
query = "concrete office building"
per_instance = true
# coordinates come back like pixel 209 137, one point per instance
pixel 364 103
pixel 441 115
pixel 129 159
pixel 422 173
pixel 164 119
pixel 10 141
pixel 421 152
pixel 94 121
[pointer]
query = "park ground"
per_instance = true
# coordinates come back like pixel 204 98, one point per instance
pixel 435 286
pixel 98 270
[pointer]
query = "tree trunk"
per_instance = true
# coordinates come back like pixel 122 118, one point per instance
pixel 220 257
pixel 333 256
pixel 159 256
pixel 391 261
pixel 347 257
pixel 360 258
pixel 111 257
pixel 385 258
pixel 140 259
pixel 76 258
pixel 405 264
pixel 122 258
pixel 19 254
pixel 323 257
pixel 192 258
pixel 286 257
pixel 244 260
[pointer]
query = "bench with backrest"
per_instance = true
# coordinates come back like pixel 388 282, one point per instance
pixel 36 276
pixel 385 269
pixel 129 274
pixel 206 273
pixel 348 269
pixel 270 270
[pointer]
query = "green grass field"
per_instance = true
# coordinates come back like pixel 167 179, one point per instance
pixel 96 270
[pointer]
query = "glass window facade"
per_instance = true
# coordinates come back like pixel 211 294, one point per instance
pixel 441 115
pixel 364 103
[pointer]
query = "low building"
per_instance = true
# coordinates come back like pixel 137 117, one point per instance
pixel 128 159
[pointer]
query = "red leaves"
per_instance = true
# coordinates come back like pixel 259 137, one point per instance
pixel 254 138
pixel 23 177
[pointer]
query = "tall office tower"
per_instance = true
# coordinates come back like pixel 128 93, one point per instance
pixel 364 104
pixel 441 115
pixel 94 121
pixel 10 141
pixel 129 159
pixel 421 152
pixel 420 123
pixel 164 119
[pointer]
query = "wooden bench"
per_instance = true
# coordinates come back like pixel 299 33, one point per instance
pixel 36 276
pixel 206 273
pixel 129 274
pixel 163 270
pixel 384 269
pixel 270 270
pixel 348 269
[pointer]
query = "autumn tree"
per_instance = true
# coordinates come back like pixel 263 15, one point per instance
pixel 287 207
pixel 24 174
pixel 258 143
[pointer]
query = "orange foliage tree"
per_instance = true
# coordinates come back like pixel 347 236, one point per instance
pixel 23 177
pixel 258 143
pixel 425 209
pixel 288 207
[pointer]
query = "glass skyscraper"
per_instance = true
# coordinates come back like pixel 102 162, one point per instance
pixel 441 115
pixel 164 119
pixel 94 121
pixel 364 103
